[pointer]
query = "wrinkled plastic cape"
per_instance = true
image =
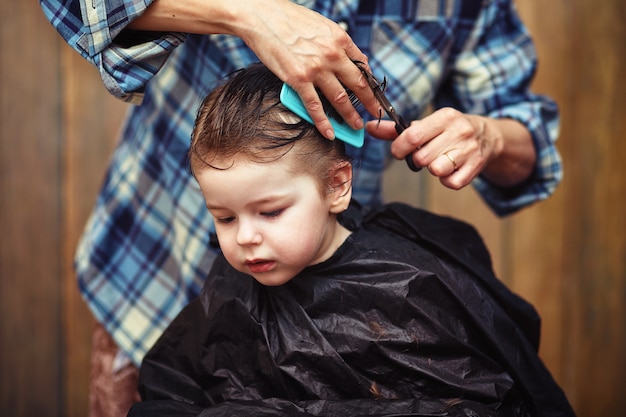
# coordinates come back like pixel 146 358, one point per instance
pixel 405 319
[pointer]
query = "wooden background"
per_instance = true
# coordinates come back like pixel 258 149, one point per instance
pixel 566 255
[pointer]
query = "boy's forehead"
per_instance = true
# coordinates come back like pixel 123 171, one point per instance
pixel 246 181
pixel 277 159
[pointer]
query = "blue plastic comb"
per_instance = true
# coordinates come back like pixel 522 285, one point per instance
pixel 291 100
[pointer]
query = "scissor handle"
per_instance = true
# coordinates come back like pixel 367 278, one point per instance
pixel 400 127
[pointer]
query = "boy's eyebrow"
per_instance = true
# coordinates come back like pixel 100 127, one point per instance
pixel 266 199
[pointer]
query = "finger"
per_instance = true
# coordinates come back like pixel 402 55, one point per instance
pixel 439 120
pixel 359 85
pixel 337 96
pixel 314 108
pixel 457 180
pixel 460 177
pixel 410 140
pixel 383 129
pixel 359 95
pixel 420 133
pixel 429 137
pixel 445 164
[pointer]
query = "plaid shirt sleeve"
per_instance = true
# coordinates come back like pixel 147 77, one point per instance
pixel 126 60
pixel 491 76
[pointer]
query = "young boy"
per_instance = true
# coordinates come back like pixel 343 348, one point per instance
pixel 320 308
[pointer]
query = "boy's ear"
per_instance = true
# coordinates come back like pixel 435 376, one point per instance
pixel 341 187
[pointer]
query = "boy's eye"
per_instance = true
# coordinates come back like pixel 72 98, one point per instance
pixel 273 213
pixel 225 220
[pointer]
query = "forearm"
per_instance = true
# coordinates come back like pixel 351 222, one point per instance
pixel 513 153
pixel 246 19
pixel 191 16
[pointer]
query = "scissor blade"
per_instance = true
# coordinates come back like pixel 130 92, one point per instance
pixel 379 92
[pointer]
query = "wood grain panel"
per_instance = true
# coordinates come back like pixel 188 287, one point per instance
pixel 91 119
pixel 30 216
pixel 536 238
pixel 584 68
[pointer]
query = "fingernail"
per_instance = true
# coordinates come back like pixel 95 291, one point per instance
pixel 330 134
pixel 359 123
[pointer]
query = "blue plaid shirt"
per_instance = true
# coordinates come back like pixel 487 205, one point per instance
pixel 145 250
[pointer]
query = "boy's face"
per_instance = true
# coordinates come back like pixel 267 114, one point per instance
pixel 270 224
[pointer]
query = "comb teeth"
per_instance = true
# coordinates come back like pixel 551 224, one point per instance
pixel 354 100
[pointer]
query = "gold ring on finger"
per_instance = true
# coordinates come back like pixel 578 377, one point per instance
pixel 456 168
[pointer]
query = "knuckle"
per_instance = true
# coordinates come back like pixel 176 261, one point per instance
pixel 313 106
pixel 449 114
pixel 422 156
pixel 334 54
pixel 465 129
pixel 415 136
pixel 341 97
pixel 453 182
pixel 342 38
pixel 303 74
pixel 435 169
pixel 362 85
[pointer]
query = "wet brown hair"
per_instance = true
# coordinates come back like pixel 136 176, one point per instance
pixel 244 117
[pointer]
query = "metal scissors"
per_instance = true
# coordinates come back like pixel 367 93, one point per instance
pixel 378 89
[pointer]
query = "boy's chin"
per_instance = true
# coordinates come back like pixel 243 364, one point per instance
pixel 272 281
pixel 273 278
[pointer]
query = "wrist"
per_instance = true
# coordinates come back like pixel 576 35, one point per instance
pixel 492 138
pixel 512 153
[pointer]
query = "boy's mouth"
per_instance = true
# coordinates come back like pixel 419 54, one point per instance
pixel 260 265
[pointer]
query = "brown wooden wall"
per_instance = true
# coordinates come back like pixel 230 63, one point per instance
pixel 566 255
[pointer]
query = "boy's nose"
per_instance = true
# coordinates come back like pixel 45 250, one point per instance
pixel 247 234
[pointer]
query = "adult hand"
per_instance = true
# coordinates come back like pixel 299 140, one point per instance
pixel 303 48
pixel 457 147
pixel 307 50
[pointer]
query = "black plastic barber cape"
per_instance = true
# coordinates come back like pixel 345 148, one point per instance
pixel 405 319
